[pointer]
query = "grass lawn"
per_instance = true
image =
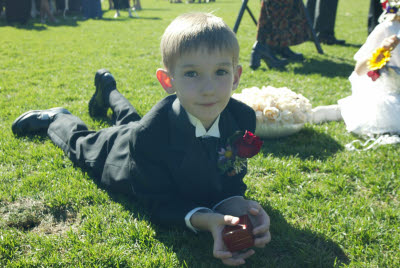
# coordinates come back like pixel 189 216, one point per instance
pixel 329 207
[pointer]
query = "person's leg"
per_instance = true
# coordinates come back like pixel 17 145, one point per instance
pixel 104 154
pixel 107 96
pixel 137 5
pixel 325 18
pixel 98 10
pixel 310 5
pixel 290 27
pixel 375 10
pixel 117 7
pixel 123 111
pixel 260 48
pixel 45 10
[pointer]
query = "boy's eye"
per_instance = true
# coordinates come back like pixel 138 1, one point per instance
pixel 190 74
pixel 221 72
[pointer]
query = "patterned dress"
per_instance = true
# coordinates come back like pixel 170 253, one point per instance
pixel 283 23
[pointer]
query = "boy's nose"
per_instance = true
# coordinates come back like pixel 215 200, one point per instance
pixel 208 86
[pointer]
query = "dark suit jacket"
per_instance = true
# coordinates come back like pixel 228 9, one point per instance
pixel 167 167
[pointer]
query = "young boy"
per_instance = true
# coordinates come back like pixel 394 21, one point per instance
pixel 169 158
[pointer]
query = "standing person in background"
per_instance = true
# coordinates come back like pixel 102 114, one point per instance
pixel 45 10
pixel 92 9
pixel 136 5
pixel 282 23
pixel 122 4
pixel 323 16
pixel 2 7
pixel 375 10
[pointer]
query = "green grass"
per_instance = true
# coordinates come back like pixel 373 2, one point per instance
pixel 329 207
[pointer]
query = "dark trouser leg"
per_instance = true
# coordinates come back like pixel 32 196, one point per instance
pixel 104 154
pixel 123 111
pixel 311 10
pixel 325 17
pixel 375 10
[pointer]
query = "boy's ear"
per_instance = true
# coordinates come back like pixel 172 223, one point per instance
pixel 236 77
pixel 165 80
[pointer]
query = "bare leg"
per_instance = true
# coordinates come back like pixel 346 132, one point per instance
pixel 45 10
pixel 137 5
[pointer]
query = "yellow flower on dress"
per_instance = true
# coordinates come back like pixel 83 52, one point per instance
pixel 378 59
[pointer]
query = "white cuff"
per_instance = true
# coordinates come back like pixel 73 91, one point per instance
pixel 189 215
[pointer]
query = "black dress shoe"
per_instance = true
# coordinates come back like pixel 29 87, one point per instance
pixel 36 121
pixel 331 40
pixel 289 54
pixel 263 52
pixel 104 83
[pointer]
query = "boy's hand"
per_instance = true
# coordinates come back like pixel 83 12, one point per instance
pixel 220 251
pixel 390 43
pixel 215 223
pixel 238 206
pixel 261 224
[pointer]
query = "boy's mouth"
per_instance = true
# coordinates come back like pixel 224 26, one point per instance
pixel 208 104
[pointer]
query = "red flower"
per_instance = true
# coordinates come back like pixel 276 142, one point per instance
pixel 384 5
pixel 248 145
pixel 374 74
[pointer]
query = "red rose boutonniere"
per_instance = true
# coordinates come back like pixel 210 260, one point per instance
pixel 240 146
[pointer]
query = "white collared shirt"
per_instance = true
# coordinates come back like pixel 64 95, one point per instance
pixel 213 131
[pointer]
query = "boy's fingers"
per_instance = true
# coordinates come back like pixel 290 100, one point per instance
pixel 263 224
pixel 233 262
pixel 239 258
pixel 230 220
pixel 254 211
pixel 245 255
pixel 260 242
pixel 222 254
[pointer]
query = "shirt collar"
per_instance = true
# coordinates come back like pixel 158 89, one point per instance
pixel 201 131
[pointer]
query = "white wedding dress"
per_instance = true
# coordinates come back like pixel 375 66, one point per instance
pixel 374 106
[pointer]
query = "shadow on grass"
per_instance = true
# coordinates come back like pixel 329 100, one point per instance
pixel 305 144
pixel 73 21
pixel 326 68
pixel 289 247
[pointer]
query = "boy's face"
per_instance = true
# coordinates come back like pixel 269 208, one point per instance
pixel 203 82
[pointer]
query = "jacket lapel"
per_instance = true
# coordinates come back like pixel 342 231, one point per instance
pixel 193 171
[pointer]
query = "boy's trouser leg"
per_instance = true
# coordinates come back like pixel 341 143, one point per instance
pixel 123 111
pixel 104 154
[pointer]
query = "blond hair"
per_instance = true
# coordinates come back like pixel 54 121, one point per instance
pixel 192 31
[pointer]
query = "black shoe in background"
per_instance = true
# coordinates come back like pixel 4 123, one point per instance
pixel 261 51
pixel 289 54
pixel 104 83
pixel 331 40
